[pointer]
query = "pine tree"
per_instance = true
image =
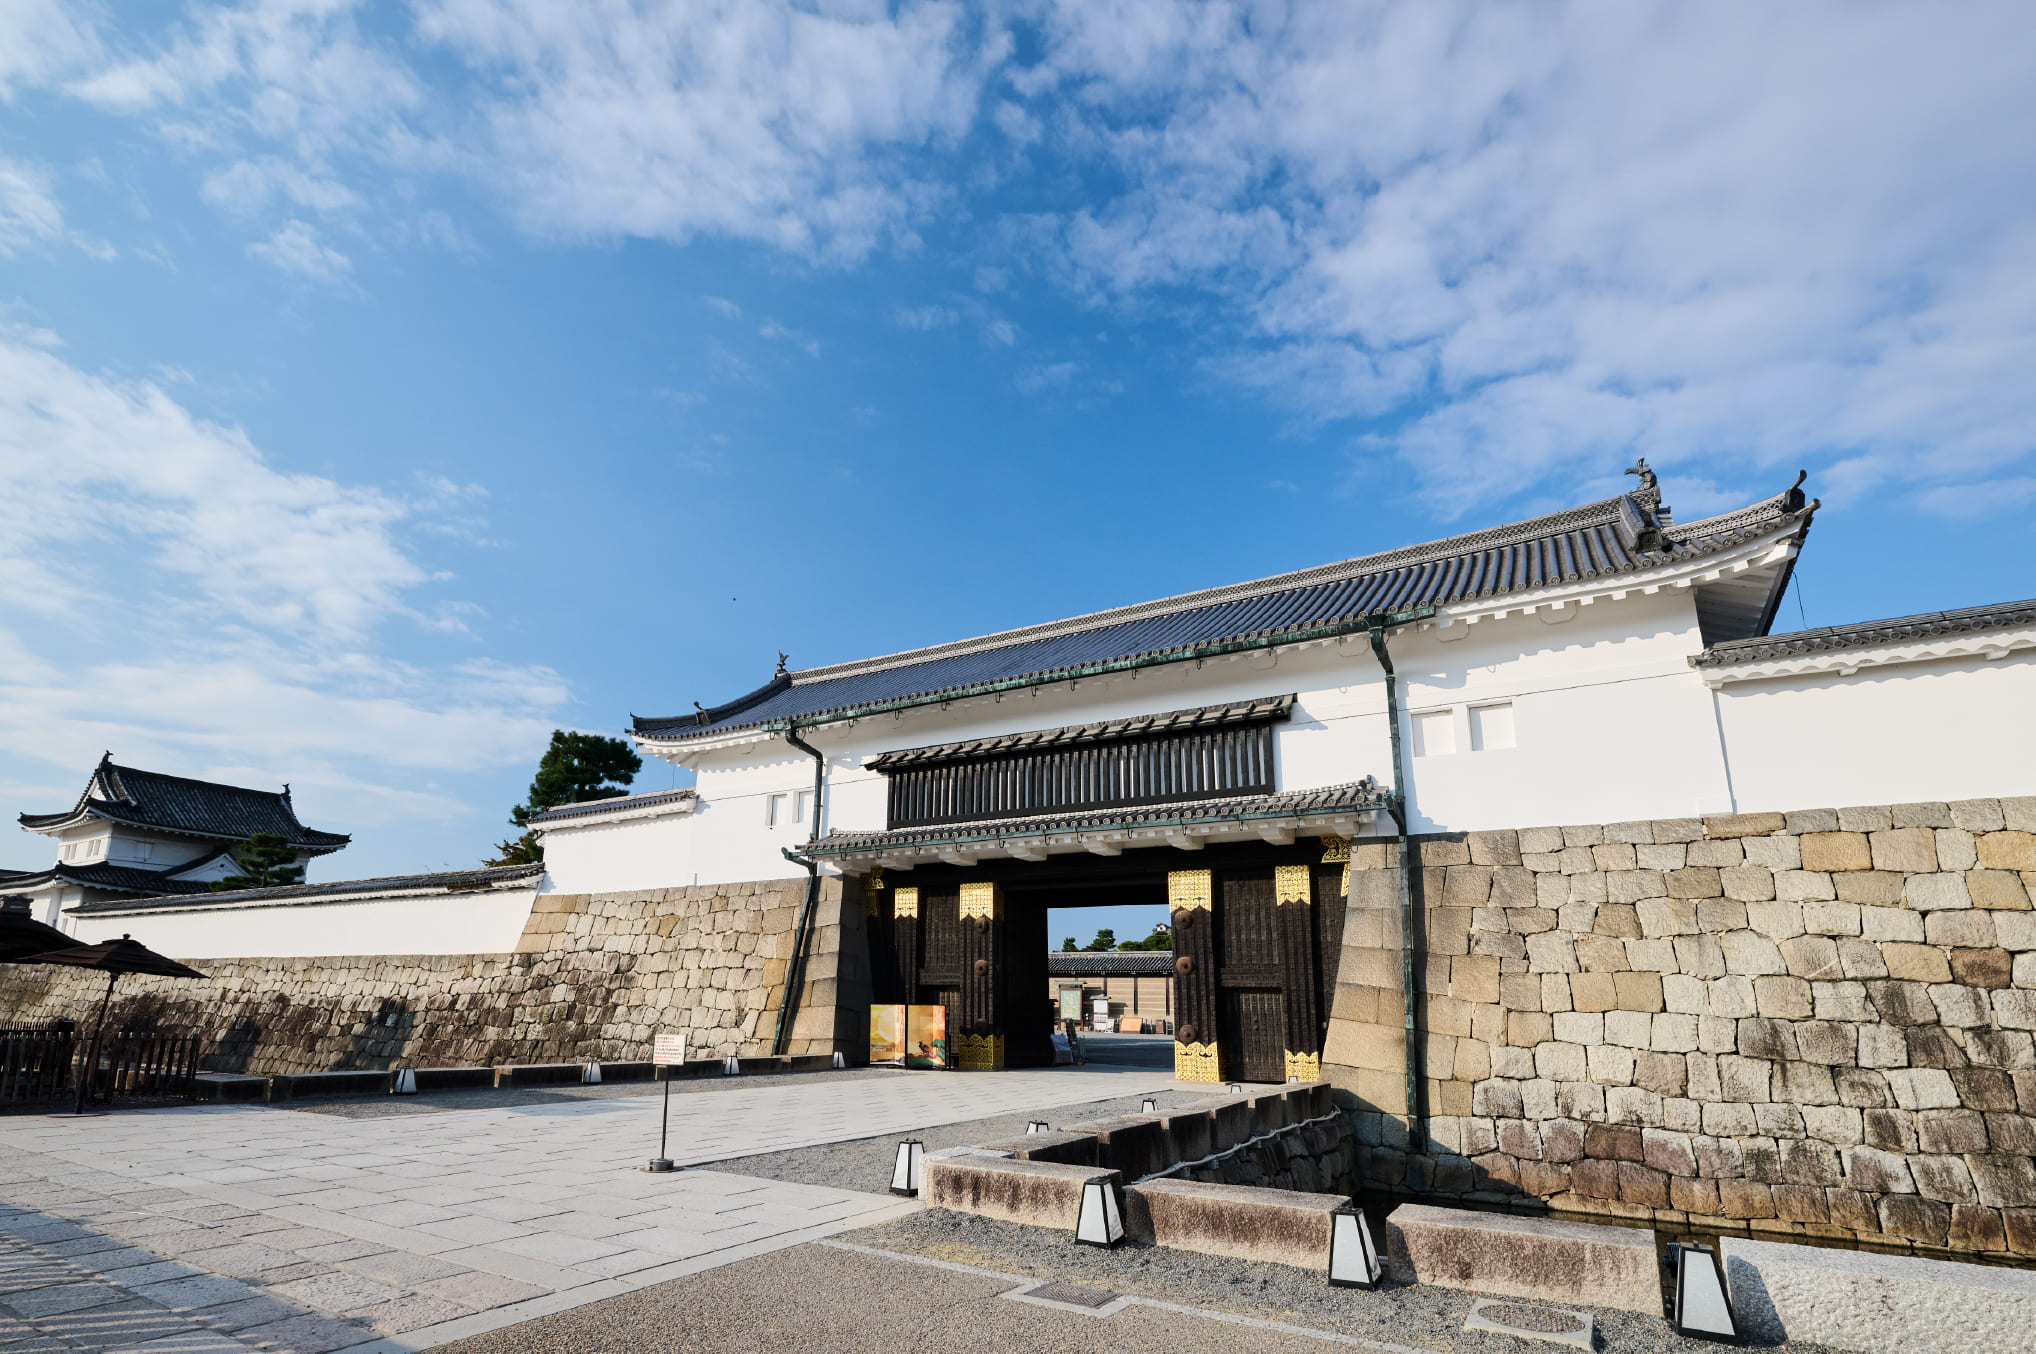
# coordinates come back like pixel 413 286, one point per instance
pixel 576 769
pixel 264 859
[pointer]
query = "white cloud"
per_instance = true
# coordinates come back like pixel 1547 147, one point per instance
pixel 40 41
pixel 759 120
pixel 29 214
pixel 167 592
pixel 1726 236
pixel 924 317
pixel 296 249
pixel 776 332
pixel 1530 243
pixel 725 306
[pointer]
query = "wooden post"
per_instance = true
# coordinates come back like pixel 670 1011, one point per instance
pixel 981 1040
pixel 1191 894
pixel 1292 890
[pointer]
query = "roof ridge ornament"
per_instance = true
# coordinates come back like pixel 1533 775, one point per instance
pixel 783 657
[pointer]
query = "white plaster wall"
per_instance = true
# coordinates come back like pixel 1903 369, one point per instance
pixel 1903 733
pixel 1611 724
pixel 639 853
pixel 461 923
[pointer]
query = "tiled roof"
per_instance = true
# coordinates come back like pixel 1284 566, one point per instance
pixel 199 808
pixel 1868 634
pixel 1287 804
pixel 1614 537
pixel 619 803
pixel 1109 963
pixel 1265 711
pixel 116 879
pixel 450 881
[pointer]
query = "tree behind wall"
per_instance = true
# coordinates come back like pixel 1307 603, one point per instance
pixel 577 768
pixel 267 858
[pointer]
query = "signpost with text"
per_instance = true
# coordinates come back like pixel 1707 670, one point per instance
pixel 667 1050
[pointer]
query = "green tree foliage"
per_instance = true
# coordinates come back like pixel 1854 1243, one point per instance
pixel 1162 938
pixel 1068 946
pixel 1106 939
pixel 576 769
pixel 265 859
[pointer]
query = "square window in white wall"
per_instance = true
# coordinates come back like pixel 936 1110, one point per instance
pixel 1434 733
pixel 774 810
pixel 1491 726
pixel 799 805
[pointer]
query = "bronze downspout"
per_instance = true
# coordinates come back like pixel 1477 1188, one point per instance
pixel 1399 810
pixel 795 974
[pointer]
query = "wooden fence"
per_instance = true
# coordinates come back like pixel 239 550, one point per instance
pixel 42 1067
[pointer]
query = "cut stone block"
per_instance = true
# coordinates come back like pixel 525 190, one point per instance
pixel 1272 1111
pixel 1136 1145
pixel 230 1087
pixel 1311 1100
pixel 1069 1149
pixel 297 1085
pixel 540 1074
pixel 1848 1299
pixel 1537 1258
pixel 1241 1221
pixel 1230 1119
pixel 1038 1193
pixel 1188 1133
pixel 454 1078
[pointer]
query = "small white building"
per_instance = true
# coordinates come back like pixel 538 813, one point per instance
pixel 139 834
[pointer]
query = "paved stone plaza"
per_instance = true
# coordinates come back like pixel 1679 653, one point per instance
pixel 255 1228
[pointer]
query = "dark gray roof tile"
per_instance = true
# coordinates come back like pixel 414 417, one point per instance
pixel 1868 634
pixel 1592 541
pixel 199 808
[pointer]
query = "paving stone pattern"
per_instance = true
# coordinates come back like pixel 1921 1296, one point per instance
pixel 1816 1022
pixel 594 978
pixel 227 1228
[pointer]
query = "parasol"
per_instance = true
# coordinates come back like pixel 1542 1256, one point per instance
pixel 114 957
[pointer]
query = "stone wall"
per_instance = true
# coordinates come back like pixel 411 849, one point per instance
pixel 594 977
pixel 1815 1022
pixel 1314 1158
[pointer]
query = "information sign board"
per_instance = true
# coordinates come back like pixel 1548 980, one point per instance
pixel 668 1050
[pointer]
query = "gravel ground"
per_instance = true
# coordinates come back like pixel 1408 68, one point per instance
pixel 865 1163
pixel 508 1097
pixel 1421 1317
pixel 816 1298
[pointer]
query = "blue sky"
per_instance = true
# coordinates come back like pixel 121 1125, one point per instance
pixel 382 386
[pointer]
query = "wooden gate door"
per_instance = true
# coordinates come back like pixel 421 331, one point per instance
pixel 1251 1018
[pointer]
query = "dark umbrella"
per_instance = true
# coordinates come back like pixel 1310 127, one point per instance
pixel 115 957
pixel 22 935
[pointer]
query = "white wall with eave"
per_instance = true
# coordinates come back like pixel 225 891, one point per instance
pixel 1605 718
pixel 618 857
pixel 1942 729
pixel 488 922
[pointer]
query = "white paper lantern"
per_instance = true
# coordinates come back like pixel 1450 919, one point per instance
pixel 406 1083
pixel 731 1066
pixel 590 1075
pixel 1099 1223
pixel 1353 1259
pixel 1037 1126
pixel 1701 1308
pixel 1148 1106
pixel 909 1174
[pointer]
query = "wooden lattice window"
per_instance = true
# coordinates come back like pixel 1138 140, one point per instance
pixel 1217 753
